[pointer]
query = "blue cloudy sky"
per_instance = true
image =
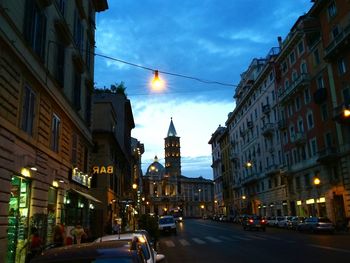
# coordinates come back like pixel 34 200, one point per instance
pixel 207 39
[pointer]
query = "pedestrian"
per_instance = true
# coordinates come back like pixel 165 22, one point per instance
pixel 58 237
pixel 78 233
pixel 115 227
pixel 35 245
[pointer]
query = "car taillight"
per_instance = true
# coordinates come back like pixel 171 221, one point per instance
pixel 263 221
pixel 251 221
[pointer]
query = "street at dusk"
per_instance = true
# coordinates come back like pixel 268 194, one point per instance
pixel 163 131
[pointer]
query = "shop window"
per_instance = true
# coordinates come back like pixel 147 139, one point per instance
pixel 18 220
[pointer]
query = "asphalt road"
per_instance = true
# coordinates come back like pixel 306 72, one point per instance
pixel 210 241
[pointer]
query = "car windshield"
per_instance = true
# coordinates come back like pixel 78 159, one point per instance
pixel 166 220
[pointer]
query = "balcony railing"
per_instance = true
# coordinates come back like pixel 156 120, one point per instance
pixel 266 108
pixel 268 129
pixel 251 178
pixel 282 124
pixel 298 138
pixel 328 155
pixel 337 42
pixel 301 81
pixel 272 169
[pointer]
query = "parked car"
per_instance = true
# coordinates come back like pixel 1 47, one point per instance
pixel 270 220
pixel 167 224
pixel 254 222
pixel 283 223
pixel 113 251
pixel 316 224
pixel 142 237
pixel 294 222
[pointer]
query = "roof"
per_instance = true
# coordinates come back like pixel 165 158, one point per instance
pixel 171 130
pixel 155 168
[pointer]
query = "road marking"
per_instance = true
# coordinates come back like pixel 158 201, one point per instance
pixel 198 241
pixel 330 248
pixel 184 242
pixel 241 238
pixel 255 237
pixel 213 239
pixel 169 243
pixel 227 238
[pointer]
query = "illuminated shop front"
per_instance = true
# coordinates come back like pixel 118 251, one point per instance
pixel 18 218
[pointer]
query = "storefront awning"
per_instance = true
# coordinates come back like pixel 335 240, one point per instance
pixel 87 196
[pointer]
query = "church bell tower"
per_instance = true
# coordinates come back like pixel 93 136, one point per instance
pixel 172 153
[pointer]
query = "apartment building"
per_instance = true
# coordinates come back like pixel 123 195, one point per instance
pixel 219 205
pixel 255 145
pixel 334 29
pixel 46 82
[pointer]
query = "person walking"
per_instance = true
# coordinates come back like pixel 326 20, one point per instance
pixel 78 233
pixel 35 245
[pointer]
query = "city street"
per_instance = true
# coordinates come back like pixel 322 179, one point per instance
pixel 200 240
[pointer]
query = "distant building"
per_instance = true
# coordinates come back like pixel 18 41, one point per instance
pixel 166 190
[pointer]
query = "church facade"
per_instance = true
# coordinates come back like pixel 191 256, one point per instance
pixel 167 191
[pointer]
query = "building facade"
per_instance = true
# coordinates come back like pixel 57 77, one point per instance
pixel 290 154
pixel 46 74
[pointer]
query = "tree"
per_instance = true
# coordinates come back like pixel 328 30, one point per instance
pixel 117 88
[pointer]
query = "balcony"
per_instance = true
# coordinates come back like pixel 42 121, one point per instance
pixel 249 179
pixel 320 96
pixel 339 114
pixel 301 81
pixel 340 42
pixel 268 129
pixel 272 170
pixel 282 124
pixel 266 108
pixel 327 155
pixel 298 138
pixel 250 124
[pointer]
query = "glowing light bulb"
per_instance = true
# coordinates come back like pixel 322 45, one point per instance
pixel 157 83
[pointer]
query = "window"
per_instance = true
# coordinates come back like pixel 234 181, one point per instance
pixel 300 125
pixel 310 120
pixel 324 112
pixel 284 67
pixel 28 110
pixel 300 48
pixel 297 182
pixel 35 27
pixel 77 91
pixel 74 148
pixel 320 83
pixel 341 66
pixel 292 58
pixel 328 139
pixel 316 57
pixel 88 54
pixel 313 147
pixel 303 68
pixel 307 97
pixel 297 103
pixel 332 10
pixel 290 110
pixel 286 84
pixel 291 131
pixel 60 57
pixel 88 107
pixel 335 31
pixel 346 94
pixel 78 32
pixel 307 180
pixel 61 6
pixel 55 132
pixel 294 75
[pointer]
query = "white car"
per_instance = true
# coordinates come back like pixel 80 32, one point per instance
pixel 150 254
pixel 167 224
pixel 284 222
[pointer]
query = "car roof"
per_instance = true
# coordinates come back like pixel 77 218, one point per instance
pixel 122 236
pixel 88 251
